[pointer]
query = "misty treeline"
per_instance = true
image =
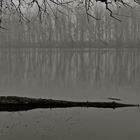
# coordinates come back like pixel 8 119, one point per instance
pixel 71 25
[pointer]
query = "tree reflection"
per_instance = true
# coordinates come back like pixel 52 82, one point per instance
pixel 33 66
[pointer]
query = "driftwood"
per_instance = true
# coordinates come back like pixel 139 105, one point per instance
pixel 14 103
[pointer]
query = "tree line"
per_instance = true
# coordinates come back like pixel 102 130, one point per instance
pixel 69 21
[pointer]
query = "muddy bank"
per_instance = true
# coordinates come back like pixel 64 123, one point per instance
pixel 14 103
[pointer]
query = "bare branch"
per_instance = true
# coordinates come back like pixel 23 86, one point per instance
pixel 50 6
pixel 89 15
pixel 111 13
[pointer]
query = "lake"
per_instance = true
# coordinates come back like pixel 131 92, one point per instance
pixel 90 74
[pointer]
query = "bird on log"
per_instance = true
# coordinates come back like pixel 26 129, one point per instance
pixel 115 99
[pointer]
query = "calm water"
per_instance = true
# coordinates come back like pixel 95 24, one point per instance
pixel 79 75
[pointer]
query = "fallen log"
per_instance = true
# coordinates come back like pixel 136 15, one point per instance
pixel 14 103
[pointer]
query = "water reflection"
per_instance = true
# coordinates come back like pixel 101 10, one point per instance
pixel 76 124
pixel 29 67
pixel 40 66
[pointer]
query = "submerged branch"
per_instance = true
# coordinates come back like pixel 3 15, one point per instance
pixel 14 103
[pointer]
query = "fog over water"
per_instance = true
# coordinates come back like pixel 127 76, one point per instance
pixel 64 53
pixel 74 74
pixel 44 68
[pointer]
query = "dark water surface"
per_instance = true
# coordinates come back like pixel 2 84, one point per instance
pixel 71 74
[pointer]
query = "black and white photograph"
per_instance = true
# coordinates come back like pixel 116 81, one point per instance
pixel 69 69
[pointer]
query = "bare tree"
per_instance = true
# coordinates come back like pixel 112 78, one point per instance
pixel 46 7
pixel 65 20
